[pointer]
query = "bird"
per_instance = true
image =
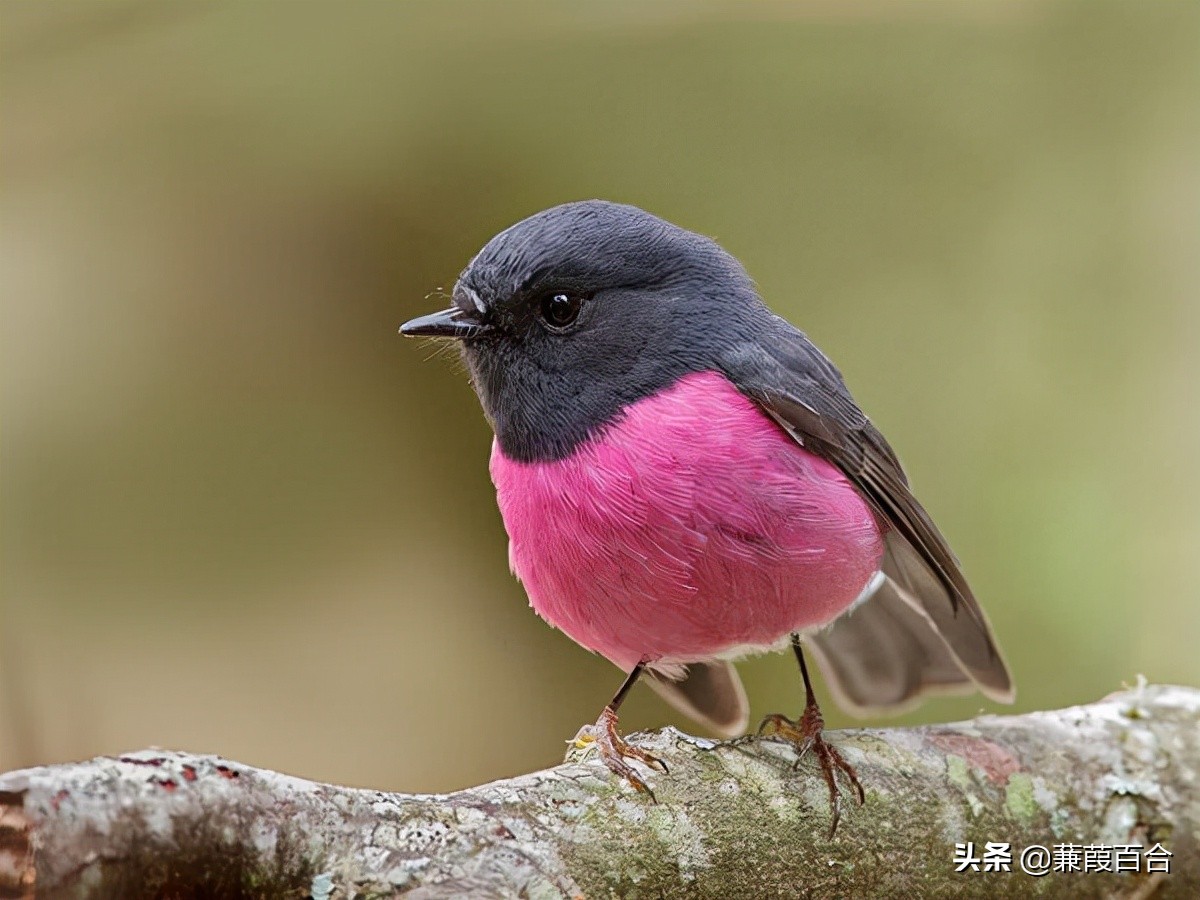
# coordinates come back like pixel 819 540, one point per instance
pixel 685 479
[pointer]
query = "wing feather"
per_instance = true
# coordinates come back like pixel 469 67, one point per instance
pixel 798 387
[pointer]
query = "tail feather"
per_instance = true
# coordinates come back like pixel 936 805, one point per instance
pixel 883 657
pixel 907 641
pixel 710 693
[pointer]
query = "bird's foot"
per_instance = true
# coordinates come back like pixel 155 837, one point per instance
pixel 805 735
pixel 615 750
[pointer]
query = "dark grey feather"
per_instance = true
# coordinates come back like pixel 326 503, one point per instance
pixel 885 655
pixel 710 693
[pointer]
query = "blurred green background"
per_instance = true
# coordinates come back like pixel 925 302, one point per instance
pixel 241 515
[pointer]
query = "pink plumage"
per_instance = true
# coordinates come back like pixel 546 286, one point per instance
pixel 689 528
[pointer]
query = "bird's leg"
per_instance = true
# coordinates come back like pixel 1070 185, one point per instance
pixel 613 748
pixel 805 734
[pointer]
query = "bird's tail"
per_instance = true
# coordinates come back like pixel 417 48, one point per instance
pixel 907 641
pixel 709 692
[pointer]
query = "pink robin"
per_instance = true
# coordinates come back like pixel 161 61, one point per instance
pixel 685 479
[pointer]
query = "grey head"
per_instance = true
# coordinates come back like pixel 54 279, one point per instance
pixel 569 316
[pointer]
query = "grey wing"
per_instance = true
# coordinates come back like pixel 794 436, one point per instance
pixel 923 622
pixel 710 693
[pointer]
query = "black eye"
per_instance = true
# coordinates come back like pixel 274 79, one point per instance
pixel 560 310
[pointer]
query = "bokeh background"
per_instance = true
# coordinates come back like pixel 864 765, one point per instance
pixel 241 515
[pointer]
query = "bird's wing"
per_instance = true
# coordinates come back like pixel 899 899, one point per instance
pixel 798 387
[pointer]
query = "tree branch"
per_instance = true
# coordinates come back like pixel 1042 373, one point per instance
pixel 732 819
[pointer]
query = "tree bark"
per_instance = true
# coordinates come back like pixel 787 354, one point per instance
pixel 733 819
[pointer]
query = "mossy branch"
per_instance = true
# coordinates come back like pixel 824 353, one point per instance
pixel 732 819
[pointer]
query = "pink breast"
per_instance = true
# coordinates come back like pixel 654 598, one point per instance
pixel 691 526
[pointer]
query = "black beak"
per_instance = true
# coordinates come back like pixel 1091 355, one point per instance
pixel 449 323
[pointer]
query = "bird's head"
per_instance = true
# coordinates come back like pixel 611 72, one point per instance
pixel 570 315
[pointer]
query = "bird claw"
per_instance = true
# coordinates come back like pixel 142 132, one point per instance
pixel 615 750
pixel 805 735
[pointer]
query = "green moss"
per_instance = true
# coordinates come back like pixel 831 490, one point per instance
pixel 687 845
pixel 1019 800
pixel 959 772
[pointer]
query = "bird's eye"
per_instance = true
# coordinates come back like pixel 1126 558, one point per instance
pixel 560 310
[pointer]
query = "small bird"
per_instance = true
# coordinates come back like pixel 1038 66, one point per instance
pixel 685 480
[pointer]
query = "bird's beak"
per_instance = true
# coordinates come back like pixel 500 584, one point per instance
pixel 449 323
